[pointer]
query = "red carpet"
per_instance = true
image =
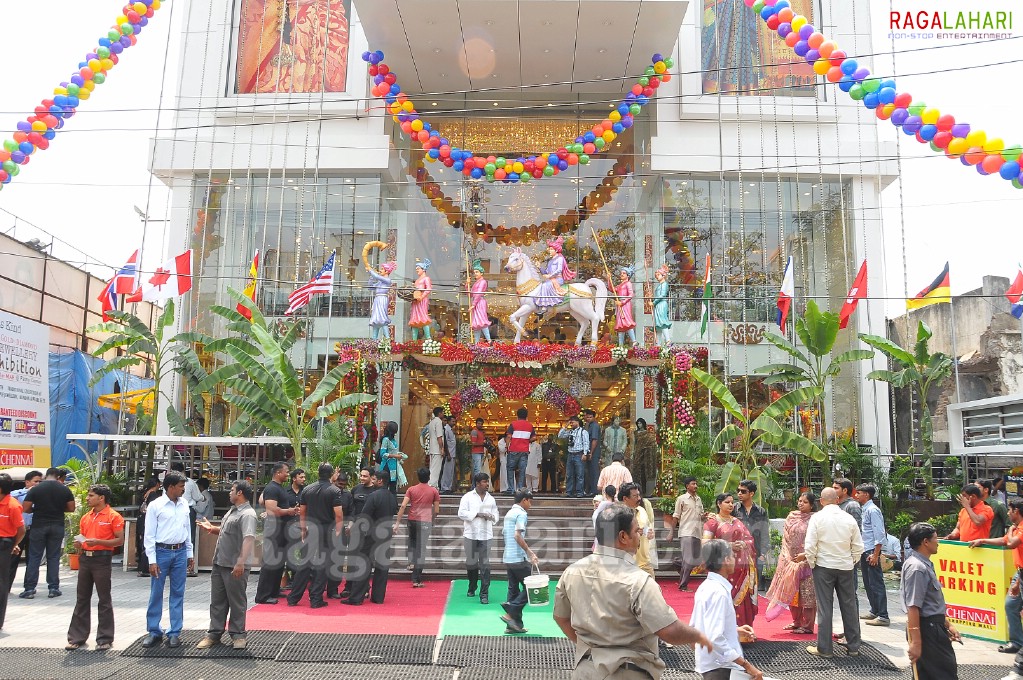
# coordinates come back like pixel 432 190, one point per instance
pixel 682 603
pixel 405 611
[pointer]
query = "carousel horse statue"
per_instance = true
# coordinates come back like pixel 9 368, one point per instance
pixel 538 291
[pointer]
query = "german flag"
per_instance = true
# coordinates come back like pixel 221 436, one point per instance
pixel 934 294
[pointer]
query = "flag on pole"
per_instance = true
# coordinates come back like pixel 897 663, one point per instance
pixel 171 280
pixel 785 295
pixel 250 287
pixel 1014 294
pixel 856 293
pixel 936 293
pixel 108 298
pixel 321 283
pixel 126 280
pixel 708 293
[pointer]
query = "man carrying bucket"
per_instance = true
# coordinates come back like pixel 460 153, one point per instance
pixel 517 558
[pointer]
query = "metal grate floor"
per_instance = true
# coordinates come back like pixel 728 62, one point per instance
pixel 534 653
pixel 491 673
pixel 376 649
pixel 263 644
pixel 26 663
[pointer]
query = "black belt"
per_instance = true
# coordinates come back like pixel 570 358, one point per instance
pixel 936 618
pixel 628 665
pixel 7 541
pixel 97 553
pixel 170 546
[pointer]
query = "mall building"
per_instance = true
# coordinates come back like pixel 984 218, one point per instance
pixel 278 145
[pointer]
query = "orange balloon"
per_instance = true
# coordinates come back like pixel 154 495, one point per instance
pixel 826 48
pixel 786 15
pixel 975 155
pixel 815 40
pixel 791 39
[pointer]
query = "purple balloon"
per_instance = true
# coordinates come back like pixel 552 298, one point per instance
pixel 116 48
pixel 812 56
pixel 784 29
pixel 861 74
pixel 627 122
pixel 18 157
pixel 806 31
pixel 24 126
pixel 125 41
pixel 960 130
pixel 801 48
pixel 91 55
pixel 912 125
pixel 981 170
pixel 899 116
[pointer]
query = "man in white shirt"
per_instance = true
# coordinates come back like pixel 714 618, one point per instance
pixel 168 544
pixel 478 512
pixel 714 616
pixel 435 436
pixel 832 549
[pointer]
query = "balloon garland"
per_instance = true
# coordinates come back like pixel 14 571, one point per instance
pixel 524 168
pixel 35 132
pixel 927 125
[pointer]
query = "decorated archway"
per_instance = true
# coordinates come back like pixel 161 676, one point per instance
pixel 514 388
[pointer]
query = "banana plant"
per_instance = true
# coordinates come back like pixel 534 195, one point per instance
pixel 263 383
pixel 767 428
pixel 919 370
pixel 817 331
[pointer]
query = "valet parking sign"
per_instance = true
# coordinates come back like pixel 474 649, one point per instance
pixel 24 393
pixel 974 582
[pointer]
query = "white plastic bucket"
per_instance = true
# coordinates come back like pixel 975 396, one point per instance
pixel 538 589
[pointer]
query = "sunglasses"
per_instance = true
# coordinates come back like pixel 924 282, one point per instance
pixel 743 490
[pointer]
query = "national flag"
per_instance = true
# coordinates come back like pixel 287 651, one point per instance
pixel 785 295
pixel 321 283
pixel 126 280
pixel 856 293
pixel 1014 294
pixel 174 278
pixel 250 287
pixel 708 293
pixel 938 292
pixel 108 298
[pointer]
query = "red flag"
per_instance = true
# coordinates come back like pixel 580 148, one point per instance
pixel 856 293
pixel 126 279
pixel 171 280
pixel 108 298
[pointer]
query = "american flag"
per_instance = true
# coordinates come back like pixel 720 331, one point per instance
pixel 321 283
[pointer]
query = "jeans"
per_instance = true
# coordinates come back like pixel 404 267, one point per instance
pixel 574 475
pixel 173 564
pixel 517 469
pixel 418 538
pixel 477 463
pixel 592 475
pixel 477 564
pixel 873 583
pixel 48 537
pixel 1013 607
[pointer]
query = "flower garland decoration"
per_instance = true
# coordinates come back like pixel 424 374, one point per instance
pixel 522 168
pixel 619 353
pixel 37 131
pixel 927 125
pixel 512 388
pixel 431 347
pixel 684 416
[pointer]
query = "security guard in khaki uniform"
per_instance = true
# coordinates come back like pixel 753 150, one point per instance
pixel 597 601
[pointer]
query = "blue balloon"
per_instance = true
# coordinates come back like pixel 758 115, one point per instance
pixel 433 153
pixel 887 82
pixel 589 137
pixel 1010 170
pixel 622 109
pixel 781 4
pixel 366 56
pixel 26 148
pixel 642 100
pixel 458 166
pixel 767 13
pixel 801 48
pixel 50 134
pixel 846 83
pixel 849 67
pixel 60 100
pixel 886 95
pixel 627 122
pixel 476 173
pixel 617 128
pixel 104 42
pixel 870 100
pixel 927 132
pixel 396 88
pixel 513 177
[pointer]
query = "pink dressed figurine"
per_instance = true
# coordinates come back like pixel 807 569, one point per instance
pixel 420 315
pixel 624 323
pixel 479 319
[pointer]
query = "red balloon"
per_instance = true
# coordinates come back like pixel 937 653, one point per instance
pixel 903 100
pixel 480 162
pixel 942 138
pixel 445 151
pixel 834 74
pixel 390 79
pixel 406 127
pixel 448 162
pixel 655 82
pixel 114 58
pixel 562 153
pixel 837 57
pixel 572 159
pixel 50 121
pixel 467 169
pixel 35 138
pixel 540 163
pixel 383 69
pixel 946 121
pixel 637 90
pixel 500 173
pixel 133 17
pixel 992 163
pixel 589 148
pixel 86 73
pixel 648 91
pixel 792 38
pixel 43 144
pixel 975 155
pixel 538 173
pixel 372 70
pixel 47 103
pixel 422 135
pixel 40 112
pixel 773 22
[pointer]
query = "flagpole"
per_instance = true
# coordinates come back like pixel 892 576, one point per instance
pixel 330 316
pixel 955 354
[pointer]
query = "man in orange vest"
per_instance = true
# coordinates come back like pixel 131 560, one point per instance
pixel 12 530
pixel 101 530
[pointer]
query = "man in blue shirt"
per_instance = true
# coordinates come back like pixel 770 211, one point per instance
pixel 874 539
pixel 578 446
pixel 31 479
pixel 517 558
pixel 591 462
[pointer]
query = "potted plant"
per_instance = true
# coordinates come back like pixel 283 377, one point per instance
pixel 83 474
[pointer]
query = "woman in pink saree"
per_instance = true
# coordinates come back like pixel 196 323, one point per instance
pixel 792 586
pixel 726 526
pixel 293 46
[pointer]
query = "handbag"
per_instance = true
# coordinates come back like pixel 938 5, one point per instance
pixel 402 480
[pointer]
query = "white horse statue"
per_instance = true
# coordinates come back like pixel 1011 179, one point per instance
pixel 586 301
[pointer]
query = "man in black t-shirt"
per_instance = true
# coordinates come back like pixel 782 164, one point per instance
pixel 321 521
pixel 47 501
pixel 361 491
pixel 281 507
pixel 336 568
pixel 370 540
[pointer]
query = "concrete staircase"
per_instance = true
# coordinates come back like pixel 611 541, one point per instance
pixel 560 531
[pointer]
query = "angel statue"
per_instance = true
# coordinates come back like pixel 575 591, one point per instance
pixel 380 279
pixel 419 316
pixel 662 309
pixel 479 319
pixel 624 321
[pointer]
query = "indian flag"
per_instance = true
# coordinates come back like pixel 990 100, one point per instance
pixel 707 295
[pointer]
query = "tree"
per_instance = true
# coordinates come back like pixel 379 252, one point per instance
pixel 263 383
pixel 750 433
pixel 919 369
pixel 817 331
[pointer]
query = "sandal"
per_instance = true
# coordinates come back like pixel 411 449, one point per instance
pixel 802 631
pixel 104 646
pixel 72 646
pixel 791 626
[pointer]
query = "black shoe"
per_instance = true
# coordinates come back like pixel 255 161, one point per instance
pixel 318 605
pixel 269 600
pixel 514 627
pixel 471 593
pixel 292 604
pixel 27 594
pixel 173 641
pixel 1008 649
pixel 484 599
pixel 151 640
pixel 418 584
pixel 506 606
pixel 54 593
pixel 334 596
pixel 353 603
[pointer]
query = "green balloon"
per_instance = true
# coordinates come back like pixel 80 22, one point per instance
pixel 935 147
pixel 599 142
pixel 525 177
pixel 1015 182
pixel 103 52
pixel 584 159
pixel 127 29
pixel 669 62
pixel 644 81
pixel 489 168
pixel 10 145
pixel 916 108
pixel 501 162
pixel 10 167
pixel 490 178
pixel 16 171
pixel 99 78
pixel 113 35
pixel 856 92
pixel 1012 153
pixel 634 109
pixel 649 71
pixel 872 85
pixel 758 5
pixel 73 90
pixel 548 171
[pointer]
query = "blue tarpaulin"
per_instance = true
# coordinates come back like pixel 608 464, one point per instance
pixel 73 407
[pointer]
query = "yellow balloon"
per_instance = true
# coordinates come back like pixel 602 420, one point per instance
pixel 660 67
pixel 976 138
pixel 83 94
pixel 930 116
pixel 95 65
pixel 994 145
pixel 417 125
pixel 614 116
pixel 798 22
pixel 517 167
pixel 155 5
pixel 395 107
pixel 408 106
pixel 122 20
pixel 958 146
pixel 106 64
pixel 608 135
pixel 395 119
pixel 88 86
pixel 140 7
pixel 39 126
pixel 60 90
pixel 821 66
